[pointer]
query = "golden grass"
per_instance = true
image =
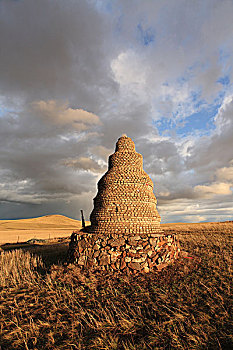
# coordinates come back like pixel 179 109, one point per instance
pixel 45 227
pixel 218 227
pixel 186 306
pixel 17 267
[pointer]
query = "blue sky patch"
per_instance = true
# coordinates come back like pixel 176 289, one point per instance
pixel 164 126
pixel 224 80
pixel 146 36
pixel 202 121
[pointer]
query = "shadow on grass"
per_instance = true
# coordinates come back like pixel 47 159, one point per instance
pixel 51 253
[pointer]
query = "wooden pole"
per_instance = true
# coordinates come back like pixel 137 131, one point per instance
pixel 83 220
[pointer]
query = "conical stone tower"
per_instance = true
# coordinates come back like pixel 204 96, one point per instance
pixel 125 230
pixel 125 202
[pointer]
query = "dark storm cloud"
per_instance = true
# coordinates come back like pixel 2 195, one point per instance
pixel 33 157
pixel 53 49
pixel 75 75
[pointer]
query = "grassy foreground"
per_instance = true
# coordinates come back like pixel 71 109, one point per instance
pixel 186 306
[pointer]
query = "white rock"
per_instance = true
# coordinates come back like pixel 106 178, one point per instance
pixel 139 260
pixel 133 251
pixel 150 252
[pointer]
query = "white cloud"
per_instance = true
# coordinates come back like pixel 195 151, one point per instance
pixel 224 117
pixel 84 163
pixel 194 218
pixel 219 188
pixel 225 173
pixel 61 114
pixel 129 69
pixel 102 152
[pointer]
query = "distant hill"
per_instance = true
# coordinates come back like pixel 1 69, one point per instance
pixel 49 226
pixel 42 222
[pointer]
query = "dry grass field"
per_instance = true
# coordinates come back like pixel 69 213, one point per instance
pixel 45 227
pixel 45 304
pixel 212 227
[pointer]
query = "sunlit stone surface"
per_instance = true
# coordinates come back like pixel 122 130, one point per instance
pixel 125 232
pixel 125 201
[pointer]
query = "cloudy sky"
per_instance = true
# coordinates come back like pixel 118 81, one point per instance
pixel 76 74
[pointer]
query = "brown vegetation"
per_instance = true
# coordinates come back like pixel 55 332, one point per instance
pixel 185 306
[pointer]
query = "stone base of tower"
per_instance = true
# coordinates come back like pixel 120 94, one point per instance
pixel 121 252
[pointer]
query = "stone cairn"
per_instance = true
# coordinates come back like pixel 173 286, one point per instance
pixel 125 231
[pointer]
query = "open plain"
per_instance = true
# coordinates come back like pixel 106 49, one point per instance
pixel 46 304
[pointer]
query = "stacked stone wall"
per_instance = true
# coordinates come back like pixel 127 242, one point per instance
pixel 125 231
pixel 126 253
pixel 125 202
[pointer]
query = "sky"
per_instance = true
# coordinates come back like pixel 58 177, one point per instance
pixel 77 74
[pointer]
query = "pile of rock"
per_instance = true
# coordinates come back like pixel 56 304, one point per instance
pixel 125 231
pixel 125 202
pixel 128 253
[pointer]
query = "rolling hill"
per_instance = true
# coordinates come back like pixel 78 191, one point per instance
pixel 44 227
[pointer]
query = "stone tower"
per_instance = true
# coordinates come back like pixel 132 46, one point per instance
pixel 125 230
pixel 125 202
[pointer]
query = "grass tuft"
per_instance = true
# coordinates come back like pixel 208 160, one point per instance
pixel 18 267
